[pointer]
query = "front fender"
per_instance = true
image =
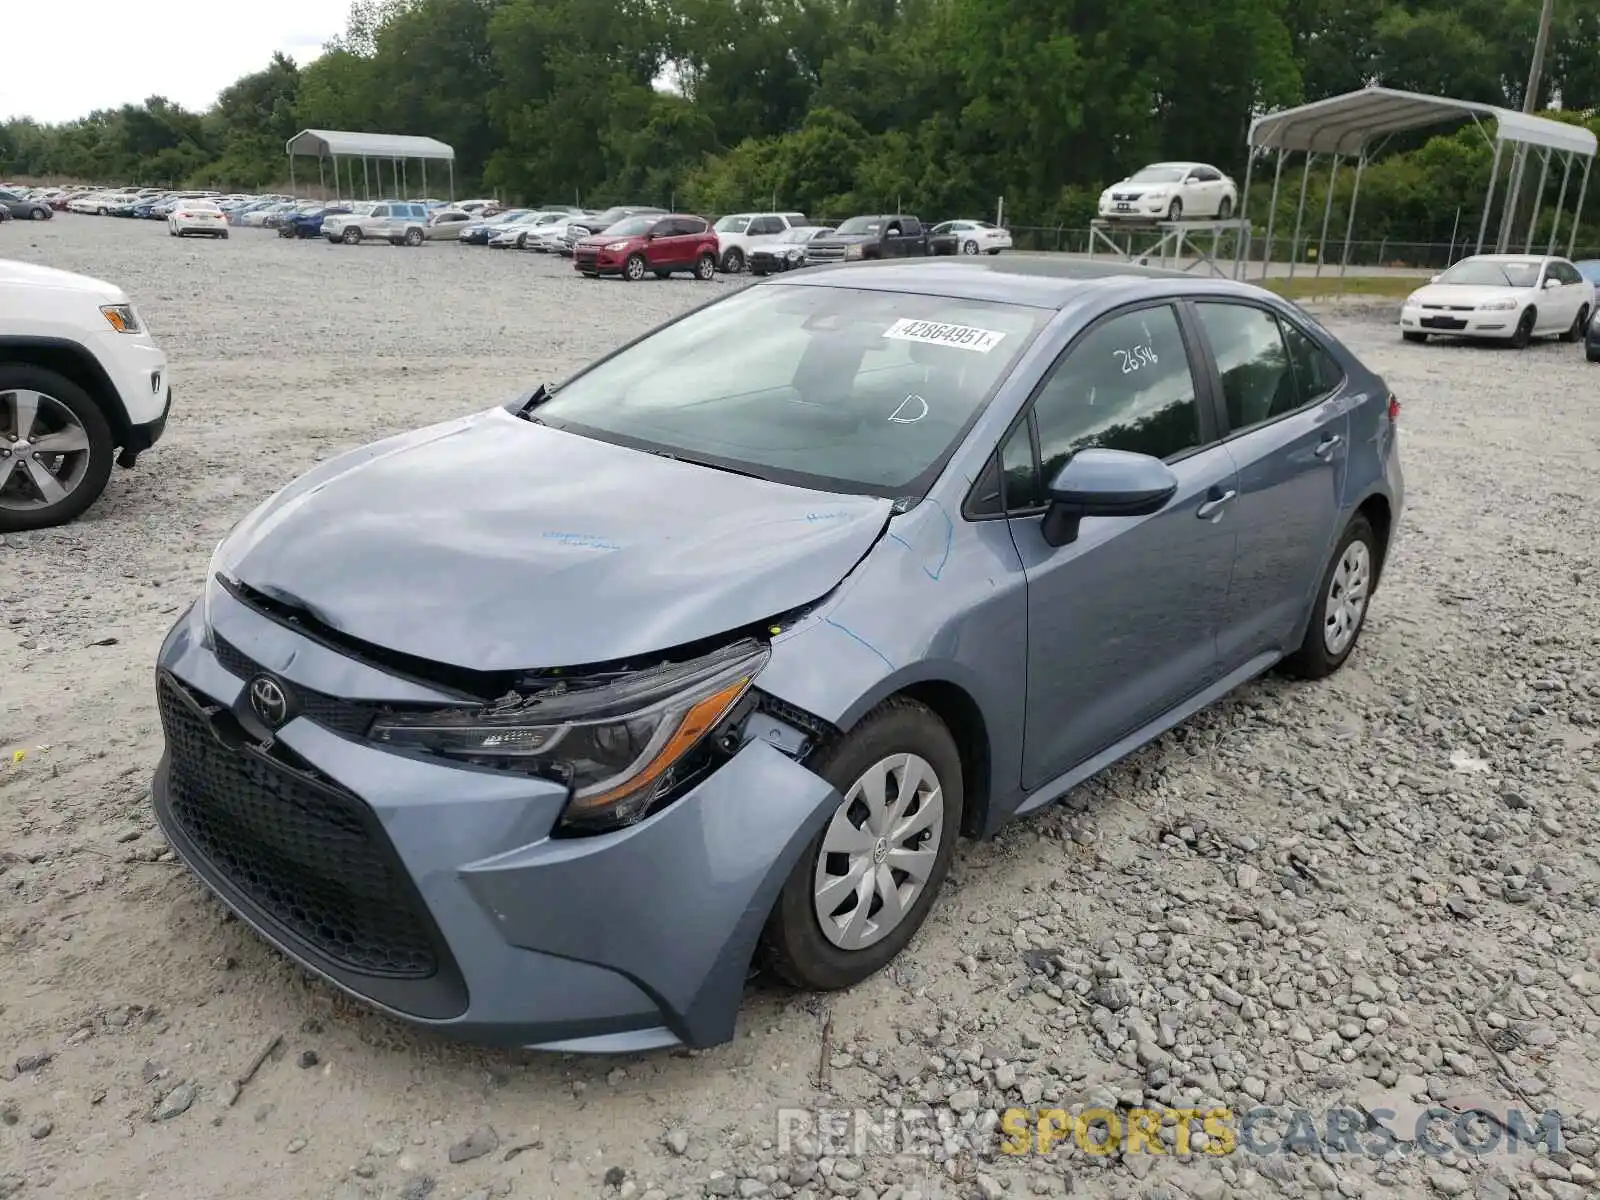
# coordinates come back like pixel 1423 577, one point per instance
pixel 938 600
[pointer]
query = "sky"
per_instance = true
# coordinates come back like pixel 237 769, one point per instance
pixel 62 60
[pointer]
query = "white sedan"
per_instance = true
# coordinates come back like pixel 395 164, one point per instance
pixel 974 237
pixel 1171 191
pixel 197 216
pixel 1514 297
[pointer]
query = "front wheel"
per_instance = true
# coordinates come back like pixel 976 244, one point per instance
pixel 1175 211
pixel 39 214
pixel 865 884
pixel 350 236
pixel 1225 209
pixel 55 449
pixel 1524 331
pixel 733 261
pixel 1341 607
pixel 705 268
pixel 633 270
pixel 969 247
pixel 1579 324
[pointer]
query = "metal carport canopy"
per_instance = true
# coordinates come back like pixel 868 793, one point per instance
pixel 318 143
pixel 1357 124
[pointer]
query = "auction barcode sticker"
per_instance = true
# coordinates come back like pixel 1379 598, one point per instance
pixel 936 333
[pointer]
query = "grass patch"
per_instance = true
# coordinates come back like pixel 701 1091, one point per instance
pixel 1304 287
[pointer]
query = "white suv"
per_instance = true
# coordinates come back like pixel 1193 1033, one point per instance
pixel 392 221
pixel 80 379
pixel 739 233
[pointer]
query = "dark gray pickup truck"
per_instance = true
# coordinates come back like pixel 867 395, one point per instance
pixel 889 235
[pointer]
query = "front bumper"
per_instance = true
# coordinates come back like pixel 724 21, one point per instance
pixel 1142 209
pixel 141 437
pixel 603 262
pixel 1473 324
pixel 452 907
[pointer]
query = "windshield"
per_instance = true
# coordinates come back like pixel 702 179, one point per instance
pixel 836 388
pixel 732 225
pixel 1484 273
pixel 796 235
pixel 861 225
pixel 632 227
pixel 1157 175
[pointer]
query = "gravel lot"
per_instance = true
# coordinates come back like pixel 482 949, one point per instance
pixel 1381 889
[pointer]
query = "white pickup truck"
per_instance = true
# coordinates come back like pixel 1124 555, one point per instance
pixel 80 379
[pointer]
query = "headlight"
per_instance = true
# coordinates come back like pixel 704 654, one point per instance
pixel 794 254
pixel 619 747
pixel 854 251
pixel 1499 305
pixel 616 246
pixel 122 318
pixel 1158 194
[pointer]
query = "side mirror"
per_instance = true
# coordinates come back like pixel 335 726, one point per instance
pixel 1105 483
pixel 1551 283
pixel 1433 279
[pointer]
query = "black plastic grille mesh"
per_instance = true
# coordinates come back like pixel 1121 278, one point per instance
pixel 307 854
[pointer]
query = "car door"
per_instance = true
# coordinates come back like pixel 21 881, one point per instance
pixel 376 222
pixel 1285 413
pixel 1575 291
pixel 1122 622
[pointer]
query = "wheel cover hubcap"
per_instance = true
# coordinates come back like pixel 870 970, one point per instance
pixel 44 450
pixel 1346 601
pixel 878 851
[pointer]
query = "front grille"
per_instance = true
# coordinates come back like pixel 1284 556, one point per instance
pixel 587 255
pixel 825 253
pixel 309 856
pixel 350 717
pixel 1124 195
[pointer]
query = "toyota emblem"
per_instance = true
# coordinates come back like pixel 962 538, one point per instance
pixel 269 700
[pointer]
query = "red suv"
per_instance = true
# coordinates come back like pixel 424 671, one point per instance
pixel 649 242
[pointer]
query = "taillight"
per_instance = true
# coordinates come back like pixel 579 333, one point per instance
pixel 1394 409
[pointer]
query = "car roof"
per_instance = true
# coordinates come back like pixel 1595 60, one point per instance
pixel 1504 258
pixel 1054 283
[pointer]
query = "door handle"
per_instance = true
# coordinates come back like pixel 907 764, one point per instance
pixel 1212 507
pixel 1327 445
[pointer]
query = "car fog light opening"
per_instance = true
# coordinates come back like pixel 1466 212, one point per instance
pixel 620 747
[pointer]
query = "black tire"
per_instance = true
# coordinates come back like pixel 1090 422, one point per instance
pixel 1175 210
pixel 1412 335
pixel 1580 323
pixel 1592 353
pixel 223 234
pixel 705 268
pixel 39 214
pixel 351 235
pixel 1313 660
pixel 1524 330
pixel 969 246
pixel 522 241
pixel 413 237
pixel 633 268
pixel 98 471
pixel 992 250
pixel 732 262
pixel 793 945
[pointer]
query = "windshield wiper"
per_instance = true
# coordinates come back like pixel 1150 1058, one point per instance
pixel 701 462
pixel 535 398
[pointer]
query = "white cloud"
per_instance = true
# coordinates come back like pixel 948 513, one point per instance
pixel 61 61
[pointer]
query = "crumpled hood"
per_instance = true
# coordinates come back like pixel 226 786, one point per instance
pixel 495 544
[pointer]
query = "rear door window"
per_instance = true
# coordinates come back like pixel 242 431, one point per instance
pixel 1258 383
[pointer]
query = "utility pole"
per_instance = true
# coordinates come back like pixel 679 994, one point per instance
pixel 1530 100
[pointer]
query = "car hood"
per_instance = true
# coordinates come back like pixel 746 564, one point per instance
pixel 1466 295
pixel 843 239
pixel 495 544
pixel 31 275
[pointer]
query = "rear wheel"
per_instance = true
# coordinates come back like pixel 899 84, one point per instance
pixel 1579 324
pixel 633 270
pixel 1341 606
pixel 705 267
pixel 1524 331
pixel 864 885
pixel 1412 335
pixel 55 449
pixel 733 261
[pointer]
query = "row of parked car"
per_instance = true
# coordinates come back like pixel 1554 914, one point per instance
pixel 629 240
